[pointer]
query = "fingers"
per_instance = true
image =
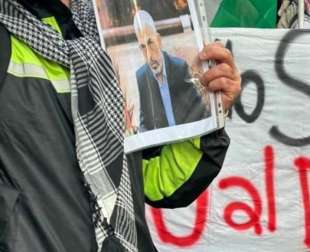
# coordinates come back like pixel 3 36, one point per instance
pixel 224 76
pixel 218 71
pixel 230 89
pixel 217 52
pixel 219 84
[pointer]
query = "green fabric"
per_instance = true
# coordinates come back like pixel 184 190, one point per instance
pixel 27 63
pixel 164 174
pixel 246 13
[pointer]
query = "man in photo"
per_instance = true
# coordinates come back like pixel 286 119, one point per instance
pixel 167 96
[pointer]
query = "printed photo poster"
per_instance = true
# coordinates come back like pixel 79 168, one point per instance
pixel 154 52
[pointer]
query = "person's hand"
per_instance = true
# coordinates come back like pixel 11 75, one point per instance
pixel 224 76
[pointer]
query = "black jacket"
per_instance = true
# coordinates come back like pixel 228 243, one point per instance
pixel 187 105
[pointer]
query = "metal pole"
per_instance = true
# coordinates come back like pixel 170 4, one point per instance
pixel 301 13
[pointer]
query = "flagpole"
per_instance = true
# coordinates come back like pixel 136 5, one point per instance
pixel 301 13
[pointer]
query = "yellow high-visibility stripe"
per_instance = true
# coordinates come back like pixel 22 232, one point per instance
pixel 29 70
pixel 25 62
pixel 166 173
pixel 52 22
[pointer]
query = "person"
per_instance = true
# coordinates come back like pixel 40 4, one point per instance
pixel 288 14
pixel 167 97
pixel 65 182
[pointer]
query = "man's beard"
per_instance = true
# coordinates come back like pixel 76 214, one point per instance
pixel 158 69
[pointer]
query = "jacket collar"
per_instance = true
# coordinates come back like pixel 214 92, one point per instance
pixel 53 8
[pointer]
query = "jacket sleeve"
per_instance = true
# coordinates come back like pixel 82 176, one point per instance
pixel 176 174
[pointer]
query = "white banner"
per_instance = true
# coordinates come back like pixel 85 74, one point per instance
pixel 261 199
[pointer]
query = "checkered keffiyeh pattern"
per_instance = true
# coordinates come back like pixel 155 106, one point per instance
pixel 288 13
pixel 97 108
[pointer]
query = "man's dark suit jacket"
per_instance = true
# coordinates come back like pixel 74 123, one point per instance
pixel 187 105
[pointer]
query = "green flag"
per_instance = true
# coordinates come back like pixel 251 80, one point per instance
pixel 244 13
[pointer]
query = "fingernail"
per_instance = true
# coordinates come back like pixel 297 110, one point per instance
pixel 203 55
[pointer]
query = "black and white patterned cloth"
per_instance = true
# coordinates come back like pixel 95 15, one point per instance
pixel 288 14
pixel 97 109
